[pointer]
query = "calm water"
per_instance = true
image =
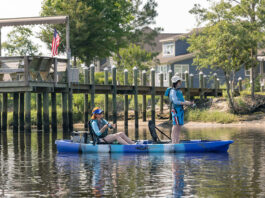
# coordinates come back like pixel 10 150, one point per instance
pixel 31 167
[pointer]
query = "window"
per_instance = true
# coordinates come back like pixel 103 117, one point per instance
pixel 247 72
pixel 168 49
pixel 263 64
pixel 180 69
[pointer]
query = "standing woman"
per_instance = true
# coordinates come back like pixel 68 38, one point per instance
pixel 176 97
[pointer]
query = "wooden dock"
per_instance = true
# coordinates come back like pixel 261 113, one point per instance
pixel 22 76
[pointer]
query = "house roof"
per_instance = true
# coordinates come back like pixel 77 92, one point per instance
pixel 158 45
pixel 180 36
pixel 172 59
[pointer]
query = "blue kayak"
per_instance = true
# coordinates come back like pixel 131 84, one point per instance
pixel 145 146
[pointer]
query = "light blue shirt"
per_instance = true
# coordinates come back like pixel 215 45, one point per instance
pixel 176 97
pixel 95 126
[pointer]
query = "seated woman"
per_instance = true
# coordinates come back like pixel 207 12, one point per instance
pixel 100 127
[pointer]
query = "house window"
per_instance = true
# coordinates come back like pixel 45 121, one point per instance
pixel 247 72
pixel 168 49
pixel 181 69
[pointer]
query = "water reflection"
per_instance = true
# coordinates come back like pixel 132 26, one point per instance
pixel 31 167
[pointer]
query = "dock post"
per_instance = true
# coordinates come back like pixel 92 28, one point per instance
pixel 21 112
pixel 215 85
pixel 205 86
pixel 161 79
pixel 191 85
pixel 135 82
pixel 28 112
pixel 106 100
pixel 114 97
pixel 126 103
pixel 153 95
pixel 39 112
pixel 64 112
pixel 187 82
pixel 54 113
pixel 46 123
pixel 170 75
pixel 144 83
pixel 86 105
pixel 240 84
pixel 201 84
pixel 0 111
pixel 15 112
pixel 70 110
pixel 92 82
pixel 4 112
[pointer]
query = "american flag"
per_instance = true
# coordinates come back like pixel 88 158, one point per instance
pixel 55 43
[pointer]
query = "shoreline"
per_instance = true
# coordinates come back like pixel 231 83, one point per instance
pixel 260 123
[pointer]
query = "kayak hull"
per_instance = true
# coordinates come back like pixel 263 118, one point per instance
pixel 66 146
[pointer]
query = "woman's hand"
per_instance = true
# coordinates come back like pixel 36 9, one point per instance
pixel 188 103
pixel 114 126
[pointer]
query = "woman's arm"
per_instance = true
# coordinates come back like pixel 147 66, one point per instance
pixel 96 129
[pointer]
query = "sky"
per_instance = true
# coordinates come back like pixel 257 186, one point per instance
pixel 173 15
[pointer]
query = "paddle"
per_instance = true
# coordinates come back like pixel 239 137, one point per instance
pixel 162 133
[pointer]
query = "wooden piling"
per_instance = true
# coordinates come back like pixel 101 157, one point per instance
pixel 126 103
pixel 161 80
pixel 46 123
pixel 187 85
pixel 106 99
pixel 201 84
pixel 0 109
pixel 153 94
pixel 70 110
pixel 205 86
pixel 86 104
pixel 191 84
pixel 92 83
pixel 215 85
pixel 170 75
pixel 39 112
pixel 21 112
pixel 135 82
pixel 4 112
pixel 15 112
pixel 240 84
pixel 114 97
pixel 64 112
pixel 54 113
pixel 144 83
pixel 28 112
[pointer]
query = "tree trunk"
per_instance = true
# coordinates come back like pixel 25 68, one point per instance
pixel 230 98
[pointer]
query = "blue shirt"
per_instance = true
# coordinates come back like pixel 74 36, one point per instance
pixel 176 97
pixel 97 125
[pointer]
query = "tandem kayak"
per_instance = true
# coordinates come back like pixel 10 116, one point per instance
pixel 145 146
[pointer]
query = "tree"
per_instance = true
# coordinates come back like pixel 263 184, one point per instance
pixel 19 44
pixel 98 28
pixel 251 15
pixel 221 44
pixel 134 56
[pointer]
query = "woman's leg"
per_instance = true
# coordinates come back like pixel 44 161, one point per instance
pixel 110 138
pixel 175 134
pixel 125 137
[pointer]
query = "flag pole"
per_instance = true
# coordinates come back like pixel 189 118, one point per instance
pixel 68 50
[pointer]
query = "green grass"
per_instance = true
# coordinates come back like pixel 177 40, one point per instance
pixel 210 116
